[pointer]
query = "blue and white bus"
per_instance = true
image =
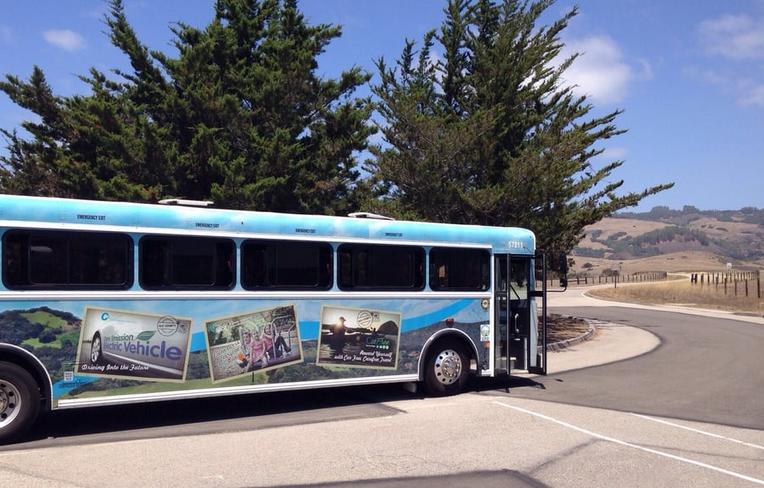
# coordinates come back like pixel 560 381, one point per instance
pixel 105 303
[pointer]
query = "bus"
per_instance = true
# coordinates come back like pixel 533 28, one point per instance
pixel 105 303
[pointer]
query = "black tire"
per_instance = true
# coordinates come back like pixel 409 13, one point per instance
pixel 96 349
pixel 447 368
pixel 19 401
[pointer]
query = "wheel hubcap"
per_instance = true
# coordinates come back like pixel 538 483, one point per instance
pixel 95 350
pixel 10 403
pixel 448 367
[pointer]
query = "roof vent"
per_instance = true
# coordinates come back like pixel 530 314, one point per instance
pixel 369 215
pixel 186 203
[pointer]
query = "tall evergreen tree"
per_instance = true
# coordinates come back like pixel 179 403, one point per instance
pixel 486 132
pixel 239 115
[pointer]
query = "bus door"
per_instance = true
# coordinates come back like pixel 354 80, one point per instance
pixel 501 315
pixel 515 317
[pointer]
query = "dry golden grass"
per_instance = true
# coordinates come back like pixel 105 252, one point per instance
pixel 632 227
pixel 683 293
pixel 672 262
pixel 588 243
pixel 718 229
pixel 560 328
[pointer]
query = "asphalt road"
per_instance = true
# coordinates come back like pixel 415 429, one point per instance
pixel 705 369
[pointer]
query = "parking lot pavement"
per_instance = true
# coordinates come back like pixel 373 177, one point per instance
pixel 488 435
pixel 651 420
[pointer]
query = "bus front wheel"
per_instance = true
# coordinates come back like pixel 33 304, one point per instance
pixel 19 401
pixel 447 368
pixel 96 349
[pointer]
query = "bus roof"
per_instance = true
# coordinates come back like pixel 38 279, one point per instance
pixel 146 218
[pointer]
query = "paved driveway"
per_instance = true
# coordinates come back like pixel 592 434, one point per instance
pixel 706 369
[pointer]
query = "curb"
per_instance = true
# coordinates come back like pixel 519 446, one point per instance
pixel 560 345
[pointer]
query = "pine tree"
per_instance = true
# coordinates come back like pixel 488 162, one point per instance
pixel 488 133
pixel 239 116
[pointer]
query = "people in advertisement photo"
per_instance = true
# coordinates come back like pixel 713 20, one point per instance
pixel 251 342
pixel 260 344
pixel 125 344
pixel 359 338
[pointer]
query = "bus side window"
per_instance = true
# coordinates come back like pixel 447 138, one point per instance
pixel 66 260
pixel 286 265
pixel 459 269
pixel 170 262
pixel 15 259
pixel 380 267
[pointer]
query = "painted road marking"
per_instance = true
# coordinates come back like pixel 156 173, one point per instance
pixel 755 446
pixel 635 446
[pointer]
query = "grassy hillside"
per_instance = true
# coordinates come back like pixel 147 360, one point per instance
pixel 673 240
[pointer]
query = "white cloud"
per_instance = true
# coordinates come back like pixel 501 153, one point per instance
pixel 733 36
pixel 746 90
pixel 611 153
pixel 752 94
pixel 65 39
pixel 739 39
pixel 600 71
pixel 97 12
pixel 614 153
pixel 645 70
pixel 711 76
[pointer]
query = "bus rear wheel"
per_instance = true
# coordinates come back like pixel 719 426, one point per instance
pixel 96 349
pixel 19 401
pixel 447 368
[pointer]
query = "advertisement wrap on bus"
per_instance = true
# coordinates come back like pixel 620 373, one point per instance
pixel 104 349
pixel 120 344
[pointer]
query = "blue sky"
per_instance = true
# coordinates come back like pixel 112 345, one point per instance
pixel 689 74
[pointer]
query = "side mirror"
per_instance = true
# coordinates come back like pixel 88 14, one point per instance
pixel 563 259
pixel 557 262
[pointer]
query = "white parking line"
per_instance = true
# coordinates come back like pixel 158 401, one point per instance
pixel 635 446
pixel 756 446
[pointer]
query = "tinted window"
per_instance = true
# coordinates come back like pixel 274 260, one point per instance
pixel 459 269
pixel 75 260
pixel 286 265
pixel 380 267
pixel 187 262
